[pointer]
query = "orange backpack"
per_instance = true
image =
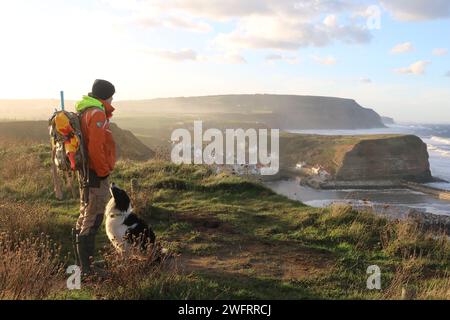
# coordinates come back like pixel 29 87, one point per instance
pixel 67 142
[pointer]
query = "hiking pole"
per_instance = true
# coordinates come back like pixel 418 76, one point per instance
pixel 62 100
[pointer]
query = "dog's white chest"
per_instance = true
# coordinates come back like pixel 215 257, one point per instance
pixel 116 230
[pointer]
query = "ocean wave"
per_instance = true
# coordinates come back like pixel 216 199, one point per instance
pixel 440 140
pixel 442 152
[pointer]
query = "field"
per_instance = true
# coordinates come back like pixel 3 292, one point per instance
pixel 229 238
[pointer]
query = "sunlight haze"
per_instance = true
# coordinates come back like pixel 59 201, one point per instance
pixel 151 49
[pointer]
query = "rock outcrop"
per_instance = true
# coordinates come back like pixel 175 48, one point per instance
pixel 356 161
pixel 394 158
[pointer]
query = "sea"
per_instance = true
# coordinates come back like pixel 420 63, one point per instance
pixel 394 202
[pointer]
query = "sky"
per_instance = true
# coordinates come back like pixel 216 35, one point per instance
pixel 388 55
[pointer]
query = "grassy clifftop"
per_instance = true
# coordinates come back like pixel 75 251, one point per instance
pixel 231 238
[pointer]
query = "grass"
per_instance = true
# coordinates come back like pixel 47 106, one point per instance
pixel 230 238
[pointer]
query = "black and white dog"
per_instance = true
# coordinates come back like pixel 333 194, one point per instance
pixel 124 228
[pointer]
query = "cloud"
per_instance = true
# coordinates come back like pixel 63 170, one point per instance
pixel 418 10
pixel 330 21
pixel 191 55
pixel 224 58
pixel 365 80
pixel 173 22
pixel 272 58
pixel 447 74
pixel 417 68
pixel 440 52
pixel 328 61
pixel 281 33
pixel 174 55
pixel 258 24
pixel 220 9
pixel 402 48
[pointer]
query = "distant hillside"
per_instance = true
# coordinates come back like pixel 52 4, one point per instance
pixel 281 111
pixel 128 146
pixel 388 120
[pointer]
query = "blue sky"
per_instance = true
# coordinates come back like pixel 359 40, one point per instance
pixel 162 48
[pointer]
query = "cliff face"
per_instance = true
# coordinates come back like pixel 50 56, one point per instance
pixel 402 157
pixel 358 158
pixel 128 146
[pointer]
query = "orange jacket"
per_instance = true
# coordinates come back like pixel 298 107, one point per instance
pixel 98 137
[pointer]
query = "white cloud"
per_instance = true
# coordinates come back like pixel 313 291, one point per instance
pixel 174 22
pixel 258 24
pixel 417 68
pixel 191 55
pixel 278 24
pixel 175 55
pixel 418 10
pixel 220 9
pixel 447 74
pixel 328 61
pixel 283 33
pixel 272 58
pixel 440 52
pixel 402 48
pixel 365 80
pixel 224 58
pixel 330 21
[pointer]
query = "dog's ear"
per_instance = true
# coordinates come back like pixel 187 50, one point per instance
pixel 121 198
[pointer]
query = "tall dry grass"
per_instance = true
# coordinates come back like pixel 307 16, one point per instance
pixel 24 170
pixel 25 217
pixel 137 275
pixel 30 263
pixel 30 267
pixel 410 239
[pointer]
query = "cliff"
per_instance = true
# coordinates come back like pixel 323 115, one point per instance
pixel 359 158
pixel 388 120
pixel 128 146
pixel 277 111
pixel 393 158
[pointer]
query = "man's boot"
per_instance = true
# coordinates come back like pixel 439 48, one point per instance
pixel 85 249
pixel 75 233
pixel 86 252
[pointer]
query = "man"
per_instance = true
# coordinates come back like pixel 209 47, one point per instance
pixel 95 110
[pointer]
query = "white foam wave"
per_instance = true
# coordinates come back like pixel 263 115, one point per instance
pixel 440 140
pixel 440 151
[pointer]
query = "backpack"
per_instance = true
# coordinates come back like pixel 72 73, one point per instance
pixel 67 143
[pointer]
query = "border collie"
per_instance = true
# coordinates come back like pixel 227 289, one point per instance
pixel 124 228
